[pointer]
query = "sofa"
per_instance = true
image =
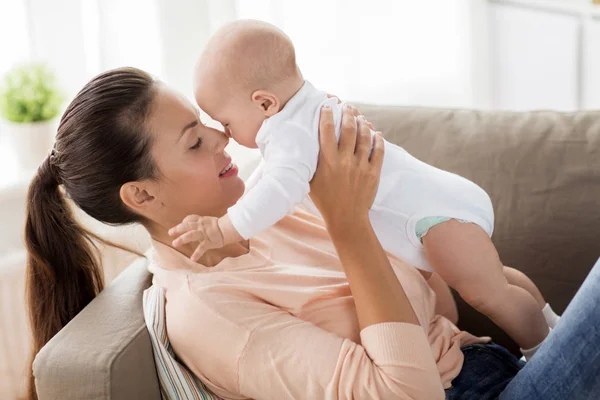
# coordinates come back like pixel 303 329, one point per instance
pixel 541 169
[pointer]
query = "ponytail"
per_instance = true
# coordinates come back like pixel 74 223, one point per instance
pixel 103 142
pixel 63 270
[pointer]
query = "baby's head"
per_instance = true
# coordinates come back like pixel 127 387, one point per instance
pixel 246 74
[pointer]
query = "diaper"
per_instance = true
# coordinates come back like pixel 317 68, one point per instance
pixel 424 224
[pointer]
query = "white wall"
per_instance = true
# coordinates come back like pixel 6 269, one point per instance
pixel 591 88
pixel 184 29
pixel 534 59
pixel 14 35
pixel 56 36
pixel 129 35
pixel 387 52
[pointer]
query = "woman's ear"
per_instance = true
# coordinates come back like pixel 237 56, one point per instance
pixel 137 196
pixel 267 102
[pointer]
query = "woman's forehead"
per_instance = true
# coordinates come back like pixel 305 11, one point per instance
pixel 171 111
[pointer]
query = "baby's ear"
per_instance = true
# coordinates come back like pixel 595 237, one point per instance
pixel 267 102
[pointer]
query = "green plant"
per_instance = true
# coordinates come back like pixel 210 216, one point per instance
pixel 29 93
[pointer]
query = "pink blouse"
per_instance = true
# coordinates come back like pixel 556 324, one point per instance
pixel 280 322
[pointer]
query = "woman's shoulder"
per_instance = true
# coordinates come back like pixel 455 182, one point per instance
pixel 227 299
pixel 207 340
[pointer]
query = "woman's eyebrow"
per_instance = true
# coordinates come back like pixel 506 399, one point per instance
pixel 185 128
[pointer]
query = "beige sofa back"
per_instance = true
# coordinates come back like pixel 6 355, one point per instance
pixel 541 169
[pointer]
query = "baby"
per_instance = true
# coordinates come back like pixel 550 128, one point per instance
pixel 247 79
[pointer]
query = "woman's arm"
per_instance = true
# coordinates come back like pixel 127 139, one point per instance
pixel 377 293
pixel 267 353
pixel 343 190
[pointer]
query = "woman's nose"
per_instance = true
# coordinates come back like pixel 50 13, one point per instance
pixel 222 142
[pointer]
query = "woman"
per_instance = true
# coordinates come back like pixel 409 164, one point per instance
pixel 299 311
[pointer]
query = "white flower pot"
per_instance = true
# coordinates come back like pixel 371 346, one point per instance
pixel 30 142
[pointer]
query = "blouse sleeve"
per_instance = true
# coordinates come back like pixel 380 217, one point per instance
pixel 291 358
pixel 266 353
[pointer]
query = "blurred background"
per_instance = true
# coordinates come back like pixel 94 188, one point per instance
pixel 485 54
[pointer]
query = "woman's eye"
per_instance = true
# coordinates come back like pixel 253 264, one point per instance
pixel 197 145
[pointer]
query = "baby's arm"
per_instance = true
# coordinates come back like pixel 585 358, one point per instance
pixel 228 231
pixel 289 165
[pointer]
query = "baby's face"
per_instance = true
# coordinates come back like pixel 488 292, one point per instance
pixel 241 119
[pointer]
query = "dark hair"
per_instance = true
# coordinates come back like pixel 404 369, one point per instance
pixel 102 143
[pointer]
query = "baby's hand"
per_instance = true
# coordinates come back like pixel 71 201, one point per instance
pixel 204 230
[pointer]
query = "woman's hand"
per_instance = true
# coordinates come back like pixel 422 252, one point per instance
pixel 343 189
pixel 353 109
pixel 347 178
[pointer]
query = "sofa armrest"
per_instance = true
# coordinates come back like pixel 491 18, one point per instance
pixel 105 351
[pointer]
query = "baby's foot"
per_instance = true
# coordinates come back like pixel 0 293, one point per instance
pixel 550 316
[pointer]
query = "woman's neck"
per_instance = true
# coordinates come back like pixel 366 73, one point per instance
pixel 215 256
pixel 211 257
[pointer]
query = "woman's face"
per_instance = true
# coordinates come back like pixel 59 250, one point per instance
pixel 191 161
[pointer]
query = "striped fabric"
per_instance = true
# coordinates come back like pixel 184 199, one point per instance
pixel 176 382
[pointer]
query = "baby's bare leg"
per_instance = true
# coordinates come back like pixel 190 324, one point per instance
pixel 465 257
pixel 517 278
pixel 444 301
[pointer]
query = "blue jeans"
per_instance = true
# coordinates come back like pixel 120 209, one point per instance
pixel 566 366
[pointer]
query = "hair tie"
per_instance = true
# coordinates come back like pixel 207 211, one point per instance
pixel 52 166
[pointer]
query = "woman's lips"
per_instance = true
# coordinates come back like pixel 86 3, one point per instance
pixel 227 166
pixel 231 170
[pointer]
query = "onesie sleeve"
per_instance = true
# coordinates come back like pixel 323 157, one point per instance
pixel 290 161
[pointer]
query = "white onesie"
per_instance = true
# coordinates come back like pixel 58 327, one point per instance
pixel 409 189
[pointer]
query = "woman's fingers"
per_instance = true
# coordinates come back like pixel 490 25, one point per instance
pixel 363 140
pixel 327 138
pixel 331 96
pixel 348 132
pixel 357 113
pixel 376 159
pixel 353 110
